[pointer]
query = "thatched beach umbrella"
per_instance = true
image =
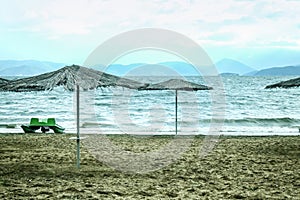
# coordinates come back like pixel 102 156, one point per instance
pixel 71 78
pixel 176 84
pixel 285 84
pixel 68 77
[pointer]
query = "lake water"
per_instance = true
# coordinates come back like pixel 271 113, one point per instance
pixel 249 109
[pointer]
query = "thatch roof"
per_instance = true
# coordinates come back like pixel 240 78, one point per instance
pixel 285 84
pixel 2 81
pixel 68 77
pixel 175 84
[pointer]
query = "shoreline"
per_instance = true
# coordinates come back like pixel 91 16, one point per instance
pixel 163 135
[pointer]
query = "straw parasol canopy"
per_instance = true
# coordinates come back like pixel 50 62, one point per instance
pixel 68 77
pixel 176 84
pixel 285 84
pixel 3 81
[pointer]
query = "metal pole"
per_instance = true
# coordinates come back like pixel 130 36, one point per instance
pixel 176 111
pixel 78 134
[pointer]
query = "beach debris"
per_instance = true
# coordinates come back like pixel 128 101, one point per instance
pixel 68 77
pixel 285 84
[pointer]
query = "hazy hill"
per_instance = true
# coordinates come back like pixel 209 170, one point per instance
pixel 167 69
pixel 233 66
pixel 118 69
pixel 23 70
pixel 225 66
pixel 179 68
pixel 142 69
pixel 27 67
pixel 279 71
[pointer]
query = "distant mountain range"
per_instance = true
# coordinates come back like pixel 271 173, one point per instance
pixel 27 67
pixel 279 71
pixel 142 69
pixel 233 66
pixel 173 68
pixel 225 66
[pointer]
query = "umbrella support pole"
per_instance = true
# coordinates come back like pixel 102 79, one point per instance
pixel 77 121
pixel 176 100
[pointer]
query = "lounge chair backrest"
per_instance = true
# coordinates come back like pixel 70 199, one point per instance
pixel 51 121
pixel 34 121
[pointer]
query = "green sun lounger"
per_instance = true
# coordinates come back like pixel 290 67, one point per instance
pixel 43 124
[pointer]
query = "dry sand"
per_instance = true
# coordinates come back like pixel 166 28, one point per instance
pixel 39 166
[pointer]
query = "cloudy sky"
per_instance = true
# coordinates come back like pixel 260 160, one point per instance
pixel 259 33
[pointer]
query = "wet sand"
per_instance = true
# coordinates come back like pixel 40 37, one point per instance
pixel 40 166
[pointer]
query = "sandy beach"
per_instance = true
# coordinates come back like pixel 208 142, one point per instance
pixel 39 166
